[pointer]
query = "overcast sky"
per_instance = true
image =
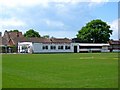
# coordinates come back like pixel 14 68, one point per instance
pixel 57 18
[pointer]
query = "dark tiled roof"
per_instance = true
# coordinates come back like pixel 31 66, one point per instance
pixel 3 41
pixel 10 35
pixel 41 40
pixel 12 38
pixel 76 40
pixel 35 39
pixel 15 34
pixel 114 42
pixel 60 40
pixel 0 41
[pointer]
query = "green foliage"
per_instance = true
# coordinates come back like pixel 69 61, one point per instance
pixel 85 70
pixel 8 49
pixel 46 36
pixel 31 33
pixel 14 30
pixel 95 31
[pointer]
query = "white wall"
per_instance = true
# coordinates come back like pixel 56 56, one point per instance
pixel 38 48
pixel 105 49
pixel 27 44
pixel 75 44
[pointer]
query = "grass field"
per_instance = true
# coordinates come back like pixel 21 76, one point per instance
pixel 0 71
pixel 81 70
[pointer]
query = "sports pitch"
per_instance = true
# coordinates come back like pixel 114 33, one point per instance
pixel 81 70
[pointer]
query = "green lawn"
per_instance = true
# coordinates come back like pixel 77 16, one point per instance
pixel 81 70
pixel 0 71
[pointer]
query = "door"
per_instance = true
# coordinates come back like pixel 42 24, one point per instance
pixel 75 49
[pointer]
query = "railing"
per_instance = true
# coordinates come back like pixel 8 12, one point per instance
pixel 92 49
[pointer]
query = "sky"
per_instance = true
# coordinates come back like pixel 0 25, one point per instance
pixel 57 18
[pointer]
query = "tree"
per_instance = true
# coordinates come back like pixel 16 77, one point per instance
pixel 95 31
pixel 31 33
pixel 46 36
pixel 14 30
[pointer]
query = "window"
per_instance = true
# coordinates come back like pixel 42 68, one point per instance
pixel 60 47
pixel 45 47
pixel 67 47
pixel 53 47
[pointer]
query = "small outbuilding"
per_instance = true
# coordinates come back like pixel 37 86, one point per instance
pixel 93 47
pixel 114 45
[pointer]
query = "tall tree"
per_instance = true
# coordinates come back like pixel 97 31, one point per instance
pixel 31 33
pixel 95 31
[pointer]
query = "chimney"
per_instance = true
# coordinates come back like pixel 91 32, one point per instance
pixel 0 34
pixel 5 30
pixel 17 34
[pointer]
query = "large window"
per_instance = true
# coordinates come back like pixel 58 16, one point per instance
pixel 53 47
pixel 67 47
pixel 60 47
pixel 45 47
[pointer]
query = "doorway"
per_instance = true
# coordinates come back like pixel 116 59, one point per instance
pixel 75 49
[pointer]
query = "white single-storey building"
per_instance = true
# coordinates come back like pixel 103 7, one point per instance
pixel 44 45
pixel 54 45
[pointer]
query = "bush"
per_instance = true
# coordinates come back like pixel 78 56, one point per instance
pixel 8 49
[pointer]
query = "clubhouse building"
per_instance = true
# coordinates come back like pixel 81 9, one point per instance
pixel 15 42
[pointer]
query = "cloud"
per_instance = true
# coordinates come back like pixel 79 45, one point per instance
pixel 94 3
pixel 22 3
pixel 99 1
pixel 114 27
pixel 59 34
pixel 28 3
pixel 53 23
pixel 59 15
pixel 12 22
